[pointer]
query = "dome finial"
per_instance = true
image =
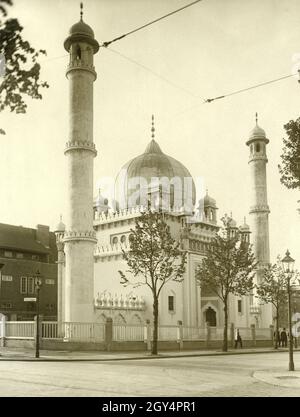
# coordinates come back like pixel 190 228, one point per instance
pixel 256 118
pixel 81 10
pixel 152 128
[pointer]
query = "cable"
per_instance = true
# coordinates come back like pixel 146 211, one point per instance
pixel 154 73
pixel 209 100
pixel 106 44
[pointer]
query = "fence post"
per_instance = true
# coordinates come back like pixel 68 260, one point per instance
pixel 253 335
pixel 272 333
pixel 180 334
pixel 232 334
pixel 208 334
pixel 147 334
pixel 108 333
pixel 3 328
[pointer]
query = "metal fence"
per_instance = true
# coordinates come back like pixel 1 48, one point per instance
pixel 19 329
pixel 126 332
pixel 96 332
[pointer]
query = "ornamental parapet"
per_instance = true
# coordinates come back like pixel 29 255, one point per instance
pixel 129 213
pixel 72 145
pixel 106 301
pixel 263 208
pixel 109 250
pixel 80 235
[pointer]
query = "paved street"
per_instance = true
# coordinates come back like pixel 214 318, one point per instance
pixel 194 376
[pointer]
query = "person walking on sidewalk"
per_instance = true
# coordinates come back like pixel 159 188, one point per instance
pixel 283 338
pixel 238 339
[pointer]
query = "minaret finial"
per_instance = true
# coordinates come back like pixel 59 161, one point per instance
pixel 60 217
pixel 81 10
pixel 256 118
pixel 152 128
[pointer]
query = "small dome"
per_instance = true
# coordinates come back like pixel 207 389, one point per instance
pixel 60 227
pixel 81 32
pixel 81 28
pixel 244 228
pixel 209 201
pixel 233 223
pixel 257 132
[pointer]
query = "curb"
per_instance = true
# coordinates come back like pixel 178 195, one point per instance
pixel 160 356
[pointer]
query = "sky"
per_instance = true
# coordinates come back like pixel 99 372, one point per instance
pixel 212 48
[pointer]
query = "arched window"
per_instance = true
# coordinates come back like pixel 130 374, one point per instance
pixel 115 240
pixel 123 239
pixel 78 52
pixel 257 147
pixel 211 317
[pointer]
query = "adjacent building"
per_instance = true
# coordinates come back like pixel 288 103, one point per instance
pixel 26 253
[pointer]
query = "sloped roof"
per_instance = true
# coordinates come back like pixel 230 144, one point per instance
pixel 20 238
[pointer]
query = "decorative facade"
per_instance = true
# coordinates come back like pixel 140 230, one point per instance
pixel 90 246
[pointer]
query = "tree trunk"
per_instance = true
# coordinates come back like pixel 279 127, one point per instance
pixel 225 341
pixel 277 328
pixel 155 325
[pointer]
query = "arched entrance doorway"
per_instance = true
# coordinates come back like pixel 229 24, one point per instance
pixel 211 317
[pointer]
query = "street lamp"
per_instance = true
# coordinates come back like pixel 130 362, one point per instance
pixel 288 267
pixel 38 283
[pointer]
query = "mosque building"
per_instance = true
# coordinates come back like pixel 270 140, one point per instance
pixel 90 243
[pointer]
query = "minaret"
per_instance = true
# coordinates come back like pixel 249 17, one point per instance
pixel 79 237
pixel 259 213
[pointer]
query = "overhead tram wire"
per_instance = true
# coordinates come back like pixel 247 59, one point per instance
pixel 156 74
pixel 106 44
pixel 209 100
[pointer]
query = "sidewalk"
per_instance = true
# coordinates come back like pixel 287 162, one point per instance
pixel 15 354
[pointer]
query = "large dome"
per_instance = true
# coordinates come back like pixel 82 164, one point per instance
pixel 143 174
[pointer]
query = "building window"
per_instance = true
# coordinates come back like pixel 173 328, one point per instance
pixel 240 306
pixel 6 305
pixel 23 288
pixel 171 304
pixel 115 240
pixel 30 285
pixel 8 254
pixel 123 239
pixel 35 257
pixel 257 147
pixel 7 278
pixel 49 281
pixel 20 255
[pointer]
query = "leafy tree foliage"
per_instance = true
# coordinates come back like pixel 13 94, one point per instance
pixel 228 268
pixel 273 289
pixel 154 259
pixel 22 72
pixel 290 168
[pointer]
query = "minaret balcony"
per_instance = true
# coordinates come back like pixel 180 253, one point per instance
pixel 78 65
pixel 262 208
pixel 81 145
pixel 80 235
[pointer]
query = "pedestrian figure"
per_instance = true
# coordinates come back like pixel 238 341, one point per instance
pixel 283 338
pixel 237 339
pixel 277 337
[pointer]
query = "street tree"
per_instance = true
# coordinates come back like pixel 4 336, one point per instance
pixel 19 67
pixel 154 259
pixel 273 289
pixel 290 168
pixel 227 269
